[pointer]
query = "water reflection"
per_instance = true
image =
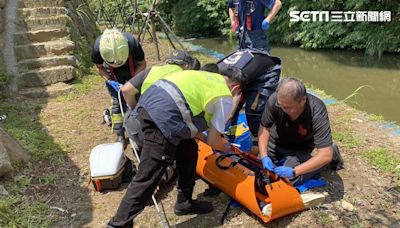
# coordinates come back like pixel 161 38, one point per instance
pixel 339 73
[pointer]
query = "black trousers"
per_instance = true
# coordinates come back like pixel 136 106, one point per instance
pixel 156 155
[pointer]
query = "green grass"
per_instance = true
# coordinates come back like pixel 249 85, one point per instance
pixel 373 117
pixel 83 86
pixel 322 217
pixel 23 124
pixel 383 159
pixel 20 211
pixel 346 139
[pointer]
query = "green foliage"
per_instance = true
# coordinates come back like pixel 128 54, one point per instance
pixel 195 18
pixel 4 77
pixel 375 38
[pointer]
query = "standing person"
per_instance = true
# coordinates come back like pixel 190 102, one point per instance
pixel 249 22
pixel 261 74
pixel 118 57
pixel 295 122
pixel 172 112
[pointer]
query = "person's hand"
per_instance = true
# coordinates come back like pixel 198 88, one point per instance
pixel 115 85
pixel 265 24
pixel 284 171
pixel 267 163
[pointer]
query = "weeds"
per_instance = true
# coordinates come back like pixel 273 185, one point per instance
pixel 82 86
pixel 383 159
pixel 322 217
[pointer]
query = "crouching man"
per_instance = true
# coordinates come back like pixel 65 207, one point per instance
pixel 293 123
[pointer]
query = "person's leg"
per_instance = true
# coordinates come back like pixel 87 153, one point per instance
pixel 116 116
pixel 337 160
pixel 155 154
pixel 186 161
pixel 298 158
pixel 258 40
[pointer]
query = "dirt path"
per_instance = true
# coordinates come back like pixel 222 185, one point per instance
pixel 373 195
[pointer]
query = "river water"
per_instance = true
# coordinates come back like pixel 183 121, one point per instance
pixel 338 73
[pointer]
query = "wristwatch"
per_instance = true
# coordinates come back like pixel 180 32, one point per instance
pixel 294 172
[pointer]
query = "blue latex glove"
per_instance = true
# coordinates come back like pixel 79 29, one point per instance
pixel 115 85
pixel 284 171
pixel 265 24
pixel 267 163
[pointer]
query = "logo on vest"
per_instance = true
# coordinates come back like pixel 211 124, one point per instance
pixel 302 131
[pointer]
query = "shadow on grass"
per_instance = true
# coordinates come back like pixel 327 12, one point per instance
pixel 48 191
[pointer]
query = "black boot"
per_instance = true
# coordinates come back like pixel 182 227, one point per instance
pixel 211 191
pixel 337 162
pixel 185 205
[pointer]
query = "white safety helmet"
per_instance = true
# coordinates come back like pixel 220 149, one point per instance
pixel 114 48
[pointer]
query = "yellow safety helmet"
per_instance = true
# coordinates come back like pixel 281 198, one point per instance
pixel 114 48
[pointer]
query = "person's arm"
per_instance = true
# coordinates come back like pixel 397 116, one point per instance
pixel 102 71
pixel 231 16
pixel 129 92
pixel 275 9
pixel 141 67
pixel 263 140
pixel 220 109
pixel 322 157
pixel 133 87
pixel 237 97
pixel 215 140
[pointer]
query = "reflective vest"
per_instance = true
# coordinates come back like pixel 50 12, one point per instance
pixel 198 89
pixel 158 72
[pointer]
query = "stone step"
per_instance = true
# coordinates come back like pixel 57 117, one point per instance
pixel 45 49
pixel 42 12
pixel 46 76
pixel 53 90
pixel 43 35
pixel 31 64
pixel 39 23
pixel 41 3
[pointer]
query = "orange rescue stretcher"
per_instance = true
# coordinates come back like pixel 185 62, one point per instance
pixel 240 176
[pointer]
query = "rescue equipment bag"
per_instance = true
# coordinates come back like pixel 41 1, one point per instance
pixel 253 63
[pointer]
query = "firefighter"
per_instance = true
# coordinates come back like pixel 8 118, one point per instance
pixel 118 57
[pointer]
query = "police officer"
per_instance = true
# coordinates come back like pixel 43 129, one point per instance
pixel 172 112
pixel 118 57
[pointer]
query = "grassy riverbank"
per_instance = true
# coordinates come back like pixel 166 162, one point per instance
pixel 52 189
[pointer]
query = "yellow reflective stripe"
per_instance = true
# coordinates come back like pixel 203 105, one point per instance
pixel 180 103
pixel 116 118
